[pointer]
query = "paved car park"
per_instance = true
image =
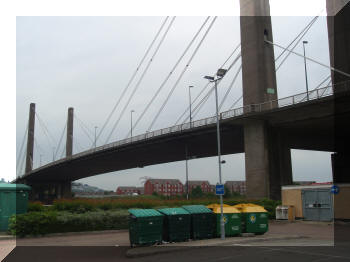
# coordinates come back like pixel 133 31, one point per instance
pixel 305 241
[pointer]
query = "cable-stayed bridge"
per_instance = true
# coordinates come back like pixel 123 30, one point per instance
pixel 265 128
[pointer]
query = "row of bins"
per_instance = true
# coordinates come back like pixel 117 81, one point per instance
pixel 150 226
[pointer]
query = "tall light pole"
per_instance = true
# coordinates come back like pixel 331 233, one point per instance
pixel 219 75
pixel 186 173
pixel 53 154
pixel 95 135
pixel 307 85
pixel 132 111
pixel 189 96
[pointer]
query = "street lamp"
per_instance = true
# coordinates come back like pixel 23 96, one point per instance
pixel 307 86
pixel 95 135
pixel 219 75
pixel 53 154
pixel 186 173
pixel 132 111
pixel 189 95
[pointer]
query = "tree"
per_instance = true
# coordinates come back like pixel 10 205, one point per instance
pixel 197 192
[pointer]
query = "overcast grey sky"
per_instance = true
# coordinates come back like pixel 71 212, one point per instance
pixel 85 63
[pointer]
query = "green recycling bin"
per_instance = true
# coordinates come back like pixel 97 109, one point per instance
pixel 145 227
pixel 201 221
pixel 177 224
pixel 232 220
pixel 13 200
pixel 255 218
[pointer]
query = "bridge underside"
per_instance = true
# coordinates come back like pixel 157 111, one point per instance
pixel 308 126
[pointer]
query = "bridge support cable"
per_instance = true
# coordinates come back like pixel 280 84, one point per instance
pixel 60 141
pixel 39 148
pixel 230 87
pixel 236 102
pixel 169 75
pixel 141 78
pixel 22 166
pixel 182 73
pixel 323 81
pixel 300 35
pixel 78 146
pixel 310 59
pixel 63 151
pixel 200 105
pixel 46 131
pixel 305 31
pixel 85 129
pixel 132 77
pixel 21 148
pixel 205 87
pixel 298 38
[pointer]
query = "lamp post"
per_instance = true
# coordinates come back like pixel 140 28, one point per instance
pixel 132 111
pixel 219 75
pixel 189 96
pixel 307 85
pixel 186 173
pixel 95 135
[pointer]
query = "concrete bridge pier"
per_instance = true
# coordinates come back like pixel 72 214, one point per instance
pixel 30 139
pixel 267 159
pixel 64 190
pixel 338 13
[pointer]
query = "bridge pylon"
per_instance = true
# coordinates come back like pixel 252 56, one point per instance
pixel 30 139
pixel 267 159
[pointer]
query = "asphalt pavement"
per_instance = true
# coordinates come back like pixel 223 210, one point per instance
pixel 300 241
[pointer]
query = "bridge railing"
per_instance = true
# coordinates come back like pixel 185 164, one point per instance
pixel 254 108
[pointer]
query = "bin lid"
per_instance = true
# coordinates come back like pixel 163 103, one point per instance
pixel 144 212
pixel 249 208
pixel 173 211
pixel 13 187
pixel 197 209
pixel 226 210
pixel 212 206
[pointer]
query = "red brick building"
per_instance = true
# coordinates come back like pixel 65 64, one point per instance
pixel 236 186
pixel 203 184
pixel 165 187
pixel 127 190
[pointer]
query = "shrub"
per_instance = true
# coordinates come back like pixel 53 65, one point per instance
pixel 41 223
pixel 33 223
pixel 35 207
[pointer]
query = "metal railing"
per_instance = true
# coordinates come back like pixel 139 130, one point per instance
pixel 254 108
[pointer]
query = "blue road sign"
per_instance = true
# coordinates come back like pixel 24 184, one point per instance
pixel 335 190
pixel 219 189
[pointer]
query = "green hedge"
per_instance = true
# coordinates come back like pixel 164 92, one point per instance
pixel 41 223
pixel 89 205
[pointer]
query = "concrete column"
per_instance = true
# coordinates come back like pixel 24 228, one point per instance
pixel 280 164
pixel 256 159
pixel 268 160
pixel 338 12
pixel 69 140
pixel 338 21
pixel 66 190
pixel 259 85
pixel 258 60
pixel 30 140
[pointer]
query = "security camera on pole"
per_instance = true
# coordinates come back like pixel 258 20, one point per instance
pixel 219 187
